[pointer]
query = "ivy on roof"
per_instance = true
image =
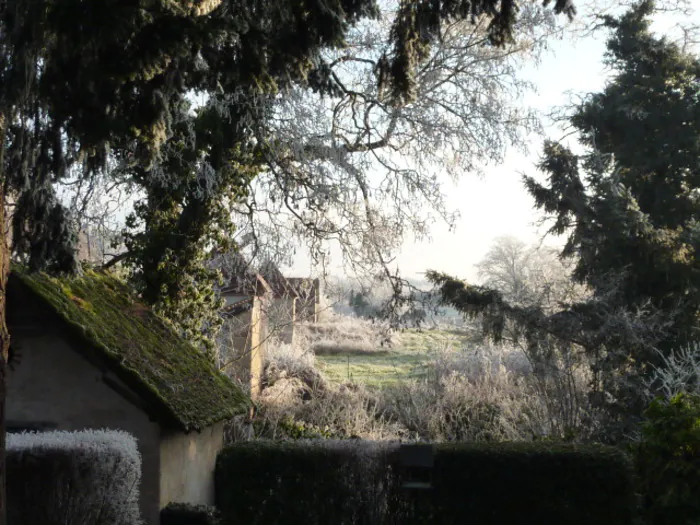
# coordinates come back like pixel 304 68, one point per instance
pixel 178 381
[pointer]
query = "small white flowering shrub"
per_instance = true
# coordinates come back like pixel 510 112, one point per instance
pixel 89 477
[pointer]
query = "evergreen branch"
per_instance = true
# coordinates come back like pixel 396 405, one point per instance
pixel 117 259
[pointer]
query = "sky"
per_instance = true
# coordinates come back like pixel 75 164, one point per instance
pixel 497 203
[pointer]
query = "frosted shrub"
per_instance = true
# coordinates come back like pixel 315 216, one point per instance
pixel 296 358
pixel 679 372
pixel 334 410
pixel 78 478
pixel 455 408
pixel 350 411
pixel 345 334
pixel 484 360
pixel 290 369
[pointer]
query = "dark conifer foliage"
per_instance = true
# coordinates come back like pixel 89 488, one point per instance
pixel 629 208
pixel 187 211
pixel 418 23
pixel 631 204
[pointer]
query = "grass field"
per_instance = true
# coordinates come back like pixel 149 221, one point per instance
pixel 408 357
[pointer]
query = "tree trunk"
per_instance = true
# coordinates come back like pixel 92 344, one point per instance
pixel 4 333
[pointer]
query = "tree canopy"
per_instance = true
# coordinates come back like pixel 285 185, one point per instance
pixel 102 87
pixel 357 171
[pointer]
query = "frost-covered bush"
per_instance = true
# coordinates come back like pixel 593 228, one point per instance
pixel 489 393
pixel 480 361
pixel 296 358
pixel 89 477
pixel 679 372
pixel 452 407
pixel 344 334
pixel 292 409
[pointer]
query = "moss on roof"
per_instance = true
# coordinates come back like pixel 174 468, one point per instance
pixel 165 370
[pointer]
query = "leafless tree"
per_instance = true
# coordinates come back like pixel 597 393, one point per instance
pixel 98 206
pixel 528 276
pixel 359 171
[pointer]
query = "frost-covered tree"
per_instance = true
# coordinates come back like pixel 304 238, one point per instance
pixel 359 169
pixel 87 83
pixel 528 275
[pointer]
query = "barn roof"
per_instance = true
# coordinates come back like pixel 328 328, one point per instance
pixel 178 385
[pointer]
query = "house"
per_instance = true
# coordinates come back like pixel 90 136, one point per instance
pixel 242 340
pixel 90 356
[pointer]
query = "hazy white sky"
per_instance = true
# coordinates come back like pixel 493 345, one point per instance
pixel 498 204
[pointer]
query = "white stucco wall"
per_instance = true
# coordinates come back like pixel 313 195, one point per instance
pixel 187 463
pixel 54 383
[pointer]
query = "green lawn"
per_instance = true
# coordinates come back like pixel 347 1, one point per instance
pixel 408 358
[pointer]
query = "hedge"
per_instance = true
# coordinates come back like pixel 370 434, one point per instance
pixel 505 484
pixel 667 459
pixel 316 483
pixel 296 482
pixel 187 514
pixel 87 477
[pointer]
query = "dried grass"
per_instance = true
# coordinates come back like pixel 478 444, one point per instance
pixel 342 333
pixel 482 393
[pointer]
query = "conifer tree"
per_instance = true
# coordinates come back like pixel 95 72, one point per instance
pixel 629 208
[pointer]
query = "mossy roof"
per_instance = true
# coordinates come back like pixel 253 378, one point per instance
pixel 179 384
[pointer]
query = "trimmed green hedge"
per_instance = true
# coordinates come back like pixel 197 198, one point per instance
pixel 538 484
pixel 266 483
pixel 298 482
pixel 188 514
